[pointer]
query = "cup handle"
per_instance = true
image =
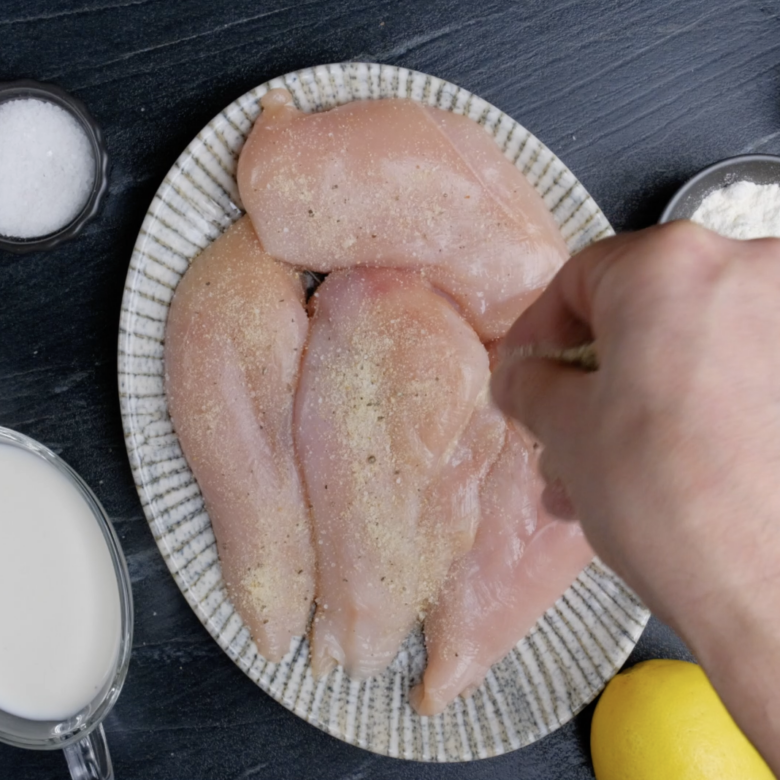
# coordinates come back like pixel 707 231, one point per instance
pixel 89 759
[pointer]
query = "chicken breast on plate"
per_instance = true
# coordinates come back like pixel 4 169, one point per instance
pixel 389 382
pixel 522 561
pixel 236 330
pixel 396 183
pixel 452 501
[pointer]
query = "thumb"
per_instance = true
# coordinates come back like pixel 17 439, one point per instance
pixel 548 397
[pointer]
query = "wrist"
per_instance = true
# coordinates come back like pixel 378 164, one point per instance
pixel 735 636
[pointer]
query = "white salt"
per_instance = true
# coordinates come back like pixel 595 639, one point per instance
pixel 47 168
pixel 742 210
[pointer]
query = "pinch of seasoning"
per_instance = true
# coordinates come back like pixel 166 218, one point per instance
pixel 47 168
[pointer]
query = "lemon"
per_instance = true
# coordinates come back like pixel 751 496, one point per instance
pixel 662 720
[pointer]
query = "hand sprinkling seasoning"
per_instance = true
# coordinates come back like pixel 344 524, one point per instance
pixel 47 168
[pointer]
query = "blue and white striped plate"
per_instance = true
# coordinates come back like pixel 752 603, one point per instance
pixel 574 648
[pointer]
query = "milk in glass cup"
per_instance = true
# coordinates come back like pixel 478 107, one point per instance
pixel 66 614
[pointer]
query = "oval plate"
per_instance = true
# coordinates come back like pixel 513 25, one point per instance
pixel 574 648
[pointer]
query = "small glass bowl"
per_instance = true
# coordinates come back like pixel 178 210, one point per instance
pixel 756 168
pixel 15 90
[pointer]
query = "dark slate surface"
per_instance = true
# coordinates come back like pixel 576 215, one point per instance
pixel 634 96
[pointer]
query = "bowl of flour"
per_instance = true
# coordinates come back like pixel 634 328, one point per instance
pixel 738 197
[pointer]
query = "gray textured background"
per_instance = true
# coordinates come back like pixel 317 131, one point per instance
pixel 633 96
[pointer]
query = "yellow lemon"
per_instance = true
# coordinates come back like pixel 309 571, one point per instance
pixel 662 720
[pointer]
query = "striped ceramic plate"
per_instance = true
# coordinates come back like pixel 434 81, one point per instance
pixel 578 644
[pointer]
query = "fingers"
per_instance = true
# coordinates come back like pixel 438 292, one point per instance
pixel 563 315
pixel 556 501
pixel 550 399
pixel 587 288
pixel 546 396
pixel 553 400
pixel 555 497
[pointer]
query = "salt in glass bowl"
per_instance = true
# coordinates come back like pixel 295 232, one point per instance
pixel 25 89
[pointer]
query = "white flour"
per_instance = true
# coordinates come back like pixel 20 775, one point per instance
pixel 742 210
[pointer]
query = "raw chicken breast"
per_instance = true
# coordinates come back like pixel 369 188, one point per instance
pixel 521 562
pixel 396 183
pixel 389 382
pixel 451 510
pixel 236 330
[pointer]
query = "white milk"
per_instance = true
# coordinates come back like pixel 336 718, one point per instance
pixel 59 599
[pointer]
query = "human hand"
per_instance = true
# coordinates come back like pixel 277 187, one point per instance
pixel 670 451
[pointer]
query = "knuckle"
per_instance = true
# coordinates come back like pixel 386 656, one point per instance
pixel 684 255
pixel 685 242
pixel 682 231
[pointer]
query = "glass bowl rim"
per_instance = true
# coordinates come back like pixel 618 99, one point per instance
pixel 735 162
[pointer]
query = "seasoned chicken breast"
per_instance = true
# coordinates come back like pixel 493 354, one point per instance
pixel 396 183
pixel 236 330
pixel 389 383
pixel 522 561
pixel 451 508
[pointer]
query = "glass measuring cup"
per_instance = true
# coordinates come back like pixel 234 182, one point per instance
pixel 80 736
